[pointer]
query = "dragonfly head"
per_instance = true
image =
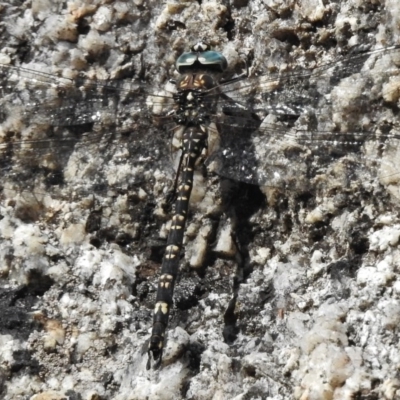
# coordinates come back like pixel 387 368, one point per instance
pixel 200 57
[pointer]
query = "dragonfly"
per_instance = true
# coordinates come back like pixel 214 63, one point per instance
pixel 272 130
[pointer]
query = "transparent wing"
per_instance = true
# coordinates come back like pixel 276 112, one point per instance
pixel 54 130
pixel 277 129
pixel 299 90
pixel 45 98
pixel 281 130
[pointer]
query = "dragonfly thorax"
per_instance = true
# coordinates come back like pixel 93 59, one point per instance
pixel 192 111
pixel 195 99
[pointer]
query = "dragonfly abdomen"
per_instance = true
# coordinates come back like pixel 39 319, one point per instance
pixel 194 141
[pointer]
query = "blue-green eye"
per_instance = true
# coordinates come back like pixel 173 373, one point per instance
pixel 212 60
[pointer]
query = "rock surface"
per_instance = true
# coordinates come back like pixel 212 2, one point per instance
pixel 315 310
